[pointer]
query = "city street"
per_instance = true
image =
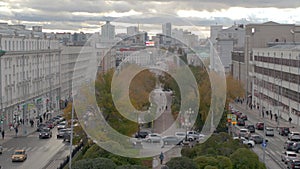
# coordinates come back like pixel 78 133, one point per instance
pixel 41 153
pixel 275 144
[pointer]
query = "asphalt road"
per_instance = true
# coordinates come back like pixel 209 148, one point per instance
pixel 275 144
pixel 40 152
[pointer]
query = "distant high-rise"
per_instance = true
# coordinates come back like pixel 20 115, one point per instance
pixel 167 29
pixel 107 31
pixel 132 30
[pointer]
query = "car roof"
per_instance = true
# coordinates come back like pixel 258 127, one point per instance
pixel 290 152
pixel 21 150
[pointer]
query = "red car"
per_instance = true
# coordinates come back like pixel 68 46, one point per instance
pixel 49 124
pixel 259 126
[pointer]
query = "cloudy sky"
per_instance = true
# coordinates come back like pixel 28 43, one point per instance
pixel 195 15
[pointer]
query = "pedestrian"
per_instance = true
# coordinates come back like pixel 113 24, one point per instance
pixel 290 120
pixel 276 117
pixel 16 130
pixel 161 157
pixel 263 114
pixel 271 115
pixel 3 133
pixel 31 122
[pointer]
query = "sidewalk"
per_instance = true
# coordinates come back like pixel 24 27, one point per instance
pixel 23 131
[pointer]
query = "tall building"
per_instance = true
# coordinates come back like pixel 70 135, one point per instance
pixel 167 29
pixel 132 30
pixel 276 80
pixel 29 72
pixel 107 32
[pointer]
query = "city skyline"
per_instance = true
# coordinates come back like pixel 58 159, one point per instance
pixel 197 16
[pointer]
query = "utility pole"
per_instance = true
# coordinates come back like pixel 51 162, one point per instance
pixel 71 137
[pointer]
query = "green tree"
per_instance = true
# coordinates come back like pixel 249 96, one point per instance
pixel 95 163
pixel 243 158
pixel 203 161
pixel 181 163
pixel 132 167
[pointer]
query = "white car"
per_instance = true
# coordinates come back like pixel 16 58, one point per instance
pixel 153 138
pixel 244 133
pixel 193 135
pixel 269 131
pixel 245 141
pixel 294 136
pixel 287 156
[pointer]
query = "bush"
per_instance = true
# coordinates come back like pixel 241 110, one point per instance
pixel 181 163
pixel 96 163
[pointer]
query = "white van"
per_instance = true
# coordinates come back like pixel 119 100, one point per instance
pixel 269 131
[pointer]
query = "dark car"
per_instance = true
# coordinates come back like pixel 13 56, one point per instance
pixel 296 147
pixel 142 134
pixel 257 138
pixel 244 117
pixel 45 133
pixel 294 163
pixel 241 122
pixel 259 126
pixel 284 131
pixel 288 145
pixel 67 136
pixel 251 128
pixel 41 126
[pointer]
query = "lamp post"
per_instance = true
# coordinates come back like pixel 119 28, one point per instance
pixel 187 120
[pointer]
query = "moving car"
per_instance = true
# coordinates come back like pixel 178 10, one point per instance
pixel 251 128
pixel 269 131
pixel 19 155
pixel 287 156
pixel 244 133
pixel 256 138
pixel 259 126
pixel 40 127
pixel 284 131
pixel 45 133
pixel 241 122
pixel 245 141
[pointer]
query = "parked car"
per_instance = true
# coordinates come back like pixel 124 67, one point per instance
pixel 62 125
pixel 287 156
pixel 296 147
pixel 284 131
pixel 19 155
pixel 171 140
pixel 50 124
pixel 153 137
pixel 259 126
pixel 194 136
pixel 1 149
pixel 180 135
pixel 61 132
pixel 241 122
pixel 67 136
pixel 45 133
pixel 294 136
pixel 269 131
pixel 256 138
pixel 251 128
pixel 288 145
pixel 142 134
pixel 244 133
pixel 294 163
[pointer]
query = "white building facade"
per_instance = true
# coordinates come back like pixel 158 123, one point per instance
pixel 276 80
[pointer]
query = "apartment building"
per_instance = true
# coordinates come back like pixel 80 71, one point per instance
pixel 30 72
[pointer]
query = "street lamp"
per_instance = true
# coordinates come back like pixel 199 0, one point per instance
pixel 187 120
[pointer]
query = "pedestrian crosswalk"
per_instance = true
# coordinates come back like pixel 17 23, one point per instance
pixel 27 149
